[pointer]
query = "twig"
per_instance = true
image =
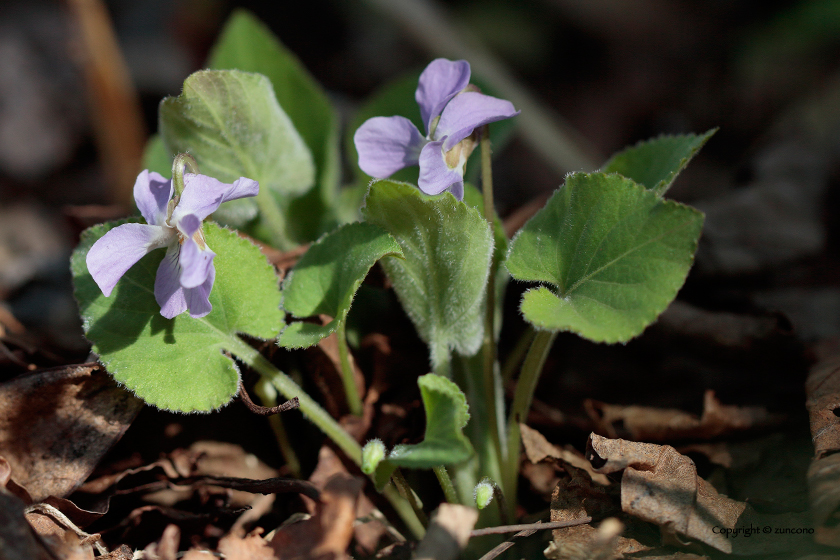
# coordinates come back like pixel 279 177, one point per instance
pixel 538 526
pixel 86 538
pixel 525 530
pixel 264 410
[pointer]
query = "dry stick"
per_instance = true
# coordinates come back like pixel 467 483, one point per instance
pixel 548 134
pixel 524 531
pixel 264 410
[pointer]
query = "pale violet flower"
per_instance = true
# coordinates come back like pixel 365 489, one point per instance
pixel 451 110
pixel 186 274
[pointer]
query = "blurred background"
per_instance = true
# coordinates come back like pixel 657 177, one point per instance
pixel 80 82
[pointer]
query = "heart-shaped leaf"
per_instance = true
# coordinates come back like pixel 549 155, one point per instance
pixel 326 278
pixel 444 442
pixel 613 253
pixel 247 44
pixel 655 163
pixel 231 123
pixel 447 247
pixel 179 364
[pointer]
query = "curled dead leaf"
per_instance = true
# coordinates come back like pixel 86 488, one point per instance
pixel 823 403
pixel 643 423
pixel 661 486
pixel 326 535
pixel 448 533
pixel 56 424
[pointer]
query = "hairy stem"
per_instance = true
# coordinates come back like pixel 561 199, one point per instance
pixel 446 484
pixel 407 492
pixel 321 418
pixel 491 378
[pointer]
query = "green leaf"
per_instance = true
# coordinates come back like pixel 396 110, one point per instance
pixel 655 163
pixel 614 254
pixel 326 278
pixel 247 44
pixel 447 247
pixel 156 158
pixel 444 442
pixel 231 123
pixel 179 364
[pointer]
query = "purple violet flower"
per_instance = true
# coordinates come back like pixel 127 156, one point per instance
pixel 186 274
pixel 451 110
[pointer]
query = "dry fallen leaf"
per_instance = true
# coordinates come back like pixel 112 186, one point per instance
pixel 643 423
pixel 249 547
pixel 367 535
pixel 661 486
pixel 537 449
pixel 448 533
pixel 326 535
pixel 823 403
pixel 55 425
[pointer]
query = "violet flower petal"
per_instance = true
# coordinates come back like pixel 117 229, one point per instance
pixel 440 81
pixel 203 195
pixel 196 263
pixel 435 175
pixel 117 251
pixel 387 144
pixel 468 111
pixel 198 298
pixel 151 194
pixel 169 293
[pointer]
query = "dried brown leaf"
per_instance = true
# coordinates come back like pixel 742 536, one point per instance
pixel 448 533
pixel 16 538
pixel 537 449
pixel 642 423
pixel 823 403
pixel 661 486
pixel 55 425
pixel 249 547
pixel 326 535
pixel 367 535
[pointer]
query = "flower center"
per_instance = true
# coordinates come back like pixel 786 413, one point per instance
pixel 456 158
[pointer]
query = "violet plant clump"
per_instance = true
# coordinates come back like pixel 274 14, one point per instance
pixel 606 255
pixel 185 276
pixel 451 110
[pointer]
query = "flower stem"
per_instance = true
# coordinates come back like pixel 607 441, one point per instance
pixel 273 217
pixel 446 484
pixel 318 416
pixel 182 163
pixel 494 406
pixel 354 401
pixel 525 387
pixel 268 395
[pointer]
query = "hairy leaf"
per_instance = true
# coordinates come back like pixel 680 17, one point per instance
pixel 326 278
pixel 179 364
pixel 613 254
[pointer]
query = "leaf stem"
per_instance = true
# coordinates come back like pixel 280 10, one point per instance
pixel 441 359
pixel 407 492
pixel 525 387
pixel 446 484
pixel 318 416
pixel 268 396
pixel 354 401
pixel 273 217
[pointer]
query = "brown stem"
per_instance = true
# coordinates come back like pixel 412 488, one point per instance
pixel 264 410
pixel 502 529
